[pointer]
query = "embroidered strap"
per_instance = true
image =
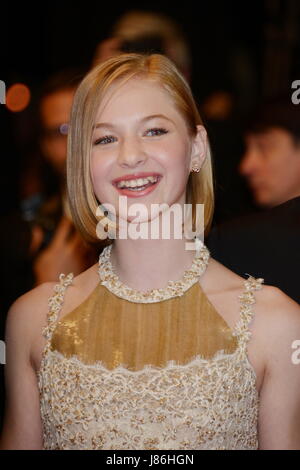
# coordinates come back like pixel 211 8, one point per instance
pixel 55 303
pixel 247 299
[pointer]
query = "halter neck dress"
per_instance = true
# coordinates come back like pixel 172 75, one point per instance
pixel 125 370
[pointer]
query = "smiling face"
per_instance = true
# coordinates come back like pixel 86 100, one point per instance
pixel 142 148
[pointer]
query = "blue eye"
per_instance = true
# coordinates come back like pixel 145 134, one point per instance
pixel 108 139
pixel 157 131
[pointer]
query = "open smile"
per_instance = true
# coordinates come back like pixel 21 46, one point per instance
pixel 137 185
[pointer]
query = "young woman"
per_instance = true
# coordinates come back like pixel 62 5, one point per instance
pixel 158 347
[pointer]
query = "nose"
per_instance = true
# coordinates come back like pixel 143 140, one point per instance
pixel 131 153
pixel 249 162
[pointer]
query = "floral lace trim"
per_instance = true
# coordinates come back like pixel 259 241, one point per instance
pixel 173 289
pixel 55 303
pixel 196 360
pixel 247 299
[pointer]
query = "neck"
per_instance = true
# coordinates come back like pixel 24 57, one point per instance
pixel 150 264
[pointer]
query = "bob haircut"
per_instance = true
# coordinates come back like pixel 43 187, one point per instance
pixel 118 70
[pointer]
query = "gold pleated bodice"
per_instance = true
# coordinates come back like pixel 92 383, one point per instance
pixel 120 332
pixel 131 374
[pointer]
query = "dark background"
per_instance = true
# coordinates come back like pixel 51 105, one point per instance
pixel 42 40
pixel 249 49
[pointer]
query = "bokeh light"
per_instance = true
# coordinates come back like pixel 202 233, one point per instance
pixel 18 97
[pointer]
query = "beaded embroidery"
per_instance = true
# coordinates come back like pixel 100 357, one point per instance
pixel 204 404
pixel 174 288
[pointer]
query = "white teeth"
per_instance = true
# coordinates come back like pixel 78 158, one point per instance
pixel 137 182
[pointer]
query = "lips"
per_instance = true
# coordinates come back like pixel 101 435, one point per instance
pixel 136 192
pixel 134 176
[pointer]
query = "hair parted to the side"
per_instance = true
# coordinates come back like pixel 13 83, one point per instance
pixel 88 98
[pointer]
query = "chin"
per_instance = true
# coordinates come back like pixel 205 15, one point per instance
pixel 136 218
pixel 264 202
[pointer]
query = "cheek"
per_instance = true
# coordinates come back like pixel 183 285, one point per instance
pixel 98 171
pixel 176 156
pixel 276 165
pixel 177 166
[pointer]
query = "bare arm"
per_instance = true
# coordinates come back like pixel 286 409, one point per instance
pixel 22 427
pixel 279 417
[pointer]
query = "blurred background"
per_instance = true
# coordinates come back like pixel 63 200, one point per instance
pixel 235 55
pixel 239 55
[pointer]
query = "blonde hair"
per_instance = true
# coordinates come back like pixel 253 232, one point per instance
pixel 88 97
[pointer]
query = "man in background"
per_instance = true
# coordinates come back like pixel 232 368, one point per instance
pixel 266 244
pixel 271 163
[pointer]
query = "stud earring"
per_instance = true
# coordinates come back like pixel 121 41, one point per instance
pixel 195 169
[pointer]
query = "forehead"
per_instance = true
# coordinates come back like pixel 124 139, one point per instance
pixel 136 97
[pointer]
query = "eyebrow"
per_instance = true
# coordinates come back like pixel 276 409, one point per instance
pixel 147 118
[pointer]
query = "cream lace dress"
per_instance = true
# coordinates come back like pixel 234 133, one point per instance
pixel 125 370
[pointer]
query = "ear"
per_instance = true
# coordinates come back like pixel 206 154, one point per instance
pixel 199 148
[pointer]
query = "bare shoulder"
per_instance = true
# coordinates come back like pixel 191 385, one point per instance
pixel 23 318
pixel 28 314
pixel 221 282
pixel 276 314
pixel 36 300
pixel 31 298
pixel 25 308
pixel 279 315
